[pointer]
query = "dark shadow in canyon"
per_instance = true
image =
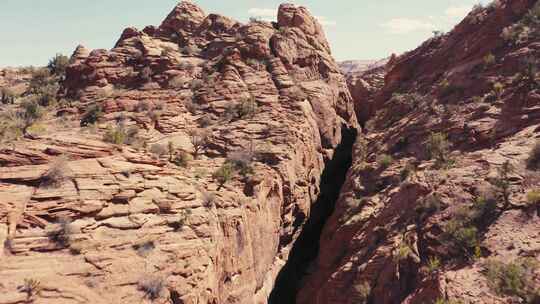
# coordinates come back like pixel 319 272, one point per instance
pixel 306 247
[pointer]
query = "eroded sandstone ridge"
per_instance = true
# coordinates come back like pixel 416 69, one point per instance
pixel 87 221
pixel 440 205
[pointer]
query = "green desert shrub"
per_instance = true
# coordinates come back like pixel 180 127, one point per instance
pixel 384 161
pixel 489 60
pixel 533 197
pixel 58 65
pixel 17 122
pixel 115 135
pixel 246 108
pixel 407 171
pixel 462 237
pixel 39 79
pixel 242 161
pixel 428 206
pixel 514 279
pixel 182 159
pixel 224 174
pixel 533 161
pixel 498 89
pixel 433 265
pixel 92 114
pixel 438 148
pixel 503 183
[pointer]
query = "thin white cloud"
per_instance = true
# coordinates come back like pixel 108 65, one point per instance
pixel 325 21
pixel 407 25
pixel 457 12
pixel 262 12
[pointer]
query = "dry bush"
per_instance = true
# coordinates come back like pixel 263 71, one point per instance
pixel 57 174
pixel 199 139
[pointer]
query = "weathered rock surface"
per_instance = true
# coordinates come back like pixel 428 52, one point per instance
pixel 393 216
pixel 121 218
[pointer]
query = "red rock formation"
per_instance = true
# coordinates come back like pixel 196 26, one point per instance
pixel 395 214
pixel 136 219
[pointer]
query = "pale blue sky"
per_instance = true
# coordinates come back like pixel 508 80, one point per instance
pixel 34 30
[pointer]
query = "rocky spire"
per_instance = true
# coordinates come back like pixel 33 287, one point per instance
pixel 290 15
pixel 185 16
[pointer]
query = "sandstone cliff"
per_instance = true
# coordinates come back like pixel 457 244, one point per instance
pixel 440 200
pixel 85 221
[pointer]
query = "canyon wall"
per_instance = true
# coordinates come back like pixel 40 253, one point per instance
pixel 124 224
pixel 440 187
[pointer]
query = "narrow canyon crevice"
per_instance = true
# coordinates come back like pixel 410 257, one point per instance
pixel 306 247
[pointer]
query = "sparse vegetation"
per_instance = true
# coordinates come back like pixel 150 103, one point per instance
pixel 115 135
pixel 199 139
pixel 246 108
pixel 196 84
pixel 32 288
pixel 533 162
pixel 224 174
pixel 58 64
pixel 514 279
pixel 433 265
pixel 242 161
pixel 363 291
pixel 489 60
pixel 62 234
pixel 57 174
pixel 92 115
pixel 17 123
pixel 384 161
pixel 152 287
pixel 462 237
pixel 428 206
pixel 402 252
pixel 502 182
pixel 498 90
pixel 525 29
pixel 407 171
pixel 208 198
pixel 182 159
pixel 533 198
pixel 438 148
pixel 144 248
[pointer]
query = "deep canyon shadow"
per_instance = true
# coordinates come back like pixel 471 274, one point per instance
pixel 306 247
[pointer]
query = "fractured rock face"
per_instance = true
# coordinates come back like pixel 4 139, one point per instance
pixel 393 236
